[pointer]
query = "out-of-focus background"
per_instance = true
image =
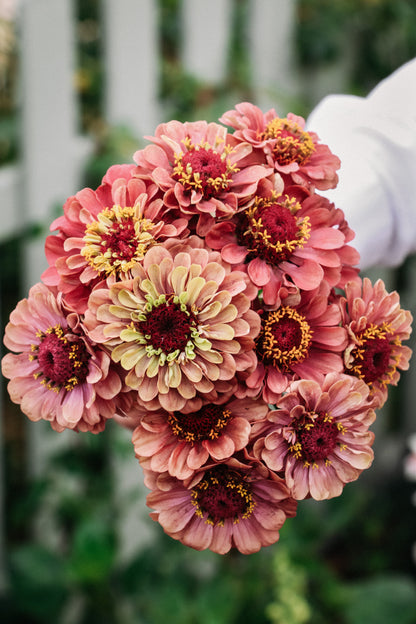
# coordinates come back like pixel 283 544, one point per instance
pixel 81 83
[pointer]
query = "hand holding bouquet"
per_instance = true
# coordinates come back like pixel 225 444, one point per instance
pixel 208 298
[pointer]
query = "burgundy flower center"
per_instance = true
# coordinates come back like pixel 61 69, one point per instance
pixel 168 327
pixel 117 240
pixel 285 338
pixel 290 142
pixel 316 438
pixel 372 358
pixel 62 359
pixel 269 229
pixel 206 424
pixel 203 170
pixel 222 494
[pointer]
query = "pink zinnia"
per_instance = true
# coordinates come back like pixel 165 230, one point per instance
pixel 318 436
pixel 104 233
pixel 179 327
pixel 231 505
pixel 182 442
pixel 199 172
pixel 285 145
pixel 304 340
pixel 286 242
pixel 377 326
pixel 57 374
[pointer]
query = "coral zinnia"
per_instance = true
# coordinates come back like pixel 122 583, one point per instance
pixel 285 241
pixel 182 442
pixel 377 326
pixel 285 144
pixel 224 506
pixel 198 171
pixel 104 233
pixel 295 341
pixel 179 326
pixel 318 435
pixel 56 374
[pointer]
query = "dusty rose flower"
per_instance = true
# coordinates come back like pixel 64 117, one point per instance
pixel 304 340
pixel 377 326
pixel 286 145
pixel 179 327
pixel 181 442
pixel 318 436
pixel 285 242
pixel 198 171
pixel 104 233
pixel 56 374
pixel 231 505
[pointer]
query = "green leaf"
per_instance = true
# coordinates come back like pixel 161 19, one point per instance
pixel 382 600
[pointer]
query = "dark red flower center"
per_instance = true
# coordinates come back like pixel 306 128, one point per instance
pixel 372 357
pixel 62 359
pixel 168 327
pixel 205 424
pixel 269 229
pixel 376 359
pixel 121 240
pixel 316 437
pixel 222 494
pixel 284 339
pixel 204 170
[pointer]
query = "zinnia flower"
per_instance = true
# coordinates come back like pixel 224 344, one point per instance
pixel 224 506
pixel 182 442
pixel 179 326
pixel 104 233
pixel 198 171
pixel 285 242
pixel 298 341
pixel 285 144
pixel 56 374
pixel 318 435
pixel 377 326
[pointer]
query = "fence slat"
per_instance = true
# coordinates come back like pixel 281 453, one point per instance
pixel 132 64
pixel 206 34
pixel 48 115
pixel 271 30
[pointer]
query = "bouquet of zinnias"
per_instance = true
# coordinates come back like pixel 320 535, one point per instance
pixel 208 298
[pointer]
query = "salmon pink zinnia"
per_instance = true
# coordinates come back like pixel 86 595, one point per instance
pixel 298 341
pixel 56 373
pixel 199 171
pixel 104 233
pixel 230 505
pixel 318 435
pixel 377 327
pixel 285 144
pixel 182 442
pixel 285 242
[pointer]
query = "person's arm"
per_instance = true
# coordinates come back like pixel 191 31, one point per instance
pixel 375 138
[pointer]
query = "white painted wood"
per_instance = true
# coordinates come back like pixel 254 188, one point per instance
pixel 206 35
pixel 10 206
pixel 271 30
pixel 132 64
pixel 48 116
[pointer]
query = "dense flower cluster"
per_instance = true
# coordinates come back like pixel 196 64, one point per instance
pixel 208 298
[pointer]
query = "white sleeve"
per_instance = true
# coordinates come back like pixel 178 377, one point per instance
pixel 375 138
